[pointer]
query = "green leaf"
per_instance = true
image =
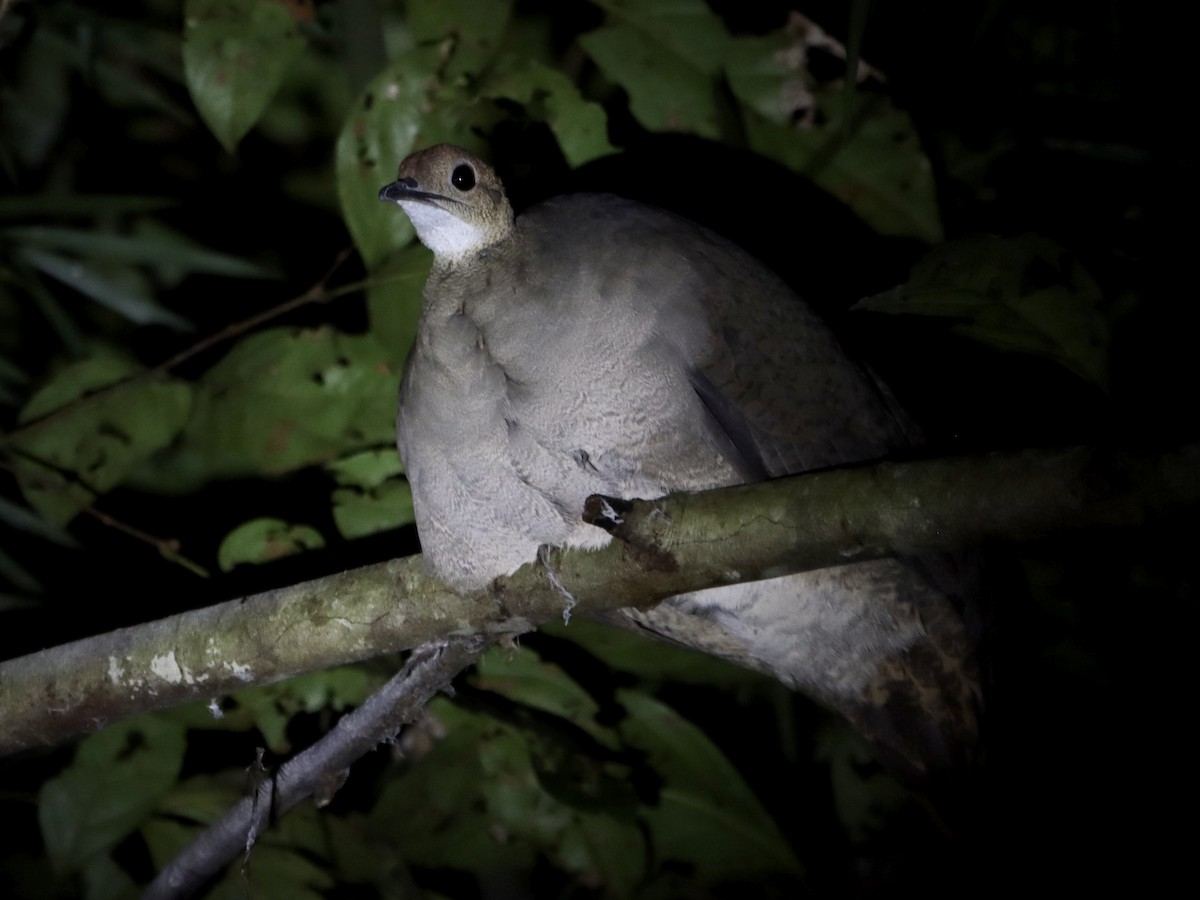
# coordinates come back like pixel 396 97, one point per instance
pixel 182 812
pixel 864 795
pixel 706 816
pixel 113 784
pixel 269 708
pixel 266 540
pixel 278 873
pixel 99 442
pixel 472 31
pixel 666 91
pixel 358 514
pixel 103 879
pixel 374 495
pixel 579 125
pixel 367 470
pixel 379 132
pixel 474 802
pixel 854 143
pixel 1023 294
pixel 506 783
pixel 766 73
pixel 36 95
pixel 280 400
pixel 688 29
pixel 201 799
pixel 119 288
pixel 274 869
pixel 524 677
pixel 132 69
pixel 435 810
pixel 235 55
pixel 162 249
pixel 394 296
pixel 866 153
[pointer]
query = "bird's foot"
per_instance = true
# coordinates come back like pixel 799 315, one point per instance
pixel 544 559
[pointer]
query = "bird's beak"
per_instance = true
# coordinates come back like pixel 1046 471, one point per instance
pixel 394 192
pixel 406 189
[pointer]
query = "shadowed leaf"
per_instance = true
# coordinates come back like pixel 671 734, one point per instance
pixel 235 54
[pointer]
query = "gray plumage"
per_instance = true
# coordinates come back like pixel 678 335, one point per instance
pixel 598 346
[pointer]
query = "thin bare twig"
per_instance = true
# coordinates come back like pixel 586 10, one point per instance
pixel 429 670
pixel 167 547
pixel 317 292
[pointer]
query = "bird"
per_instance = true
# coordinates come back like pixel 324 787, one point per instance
pixel 594 345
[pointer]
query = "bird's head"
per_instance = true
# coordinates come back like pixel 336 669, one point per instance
pixel 454 199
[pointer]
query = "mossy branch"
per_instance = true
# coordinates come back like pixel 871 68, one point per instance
pixel 668 546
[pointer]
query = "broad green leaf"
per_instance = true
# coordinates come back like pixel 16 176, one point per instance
pixel 161 249
pixel 359 512
pixel 688 29
pixel 507 777
pixel 281 400
pixel 113 784
pixel 278 867
pixel 122 289
pixel 864 151
pixel 125 76
pixel 435 811
pixel 204 798
pixel 76 380
pixel 666 91
pixel 36 96
pixel 100 441
pixel 575 760
pixel 1024 294
pixel 522 676
pixel 579 125
pixel 367 470
pixel 864 795
pixel 374 495
pixel 379 132
pixel 235 55
pixel 766 73
pixel 266 540
pixel 513 794
pixel 270 707
pixel 394 296
pixel 472 30
pixel 706 815
pixel 103 879
pixel 277 873
pixel 474 802
pixel 186 808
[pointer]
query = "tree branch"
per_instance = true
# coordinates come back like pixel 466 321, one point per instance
pixel 429 669
pixel 669 546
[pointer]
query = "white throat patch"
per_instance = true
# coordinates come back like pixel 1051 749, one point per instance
pixel 448 236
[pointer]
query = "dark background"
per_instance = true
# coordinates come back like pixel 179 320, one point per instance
pixel 1072 115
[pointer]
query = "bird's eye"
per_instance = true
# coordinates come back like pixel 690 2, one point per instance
pixel 463 177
